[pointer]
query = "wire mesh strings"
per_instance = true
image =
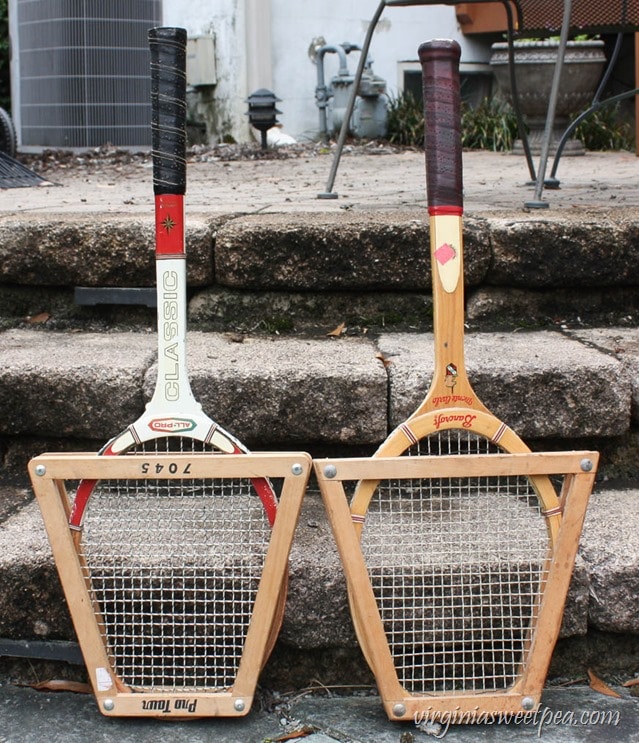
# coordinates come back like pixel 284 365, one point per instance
pixel 457 568
pixel 173 567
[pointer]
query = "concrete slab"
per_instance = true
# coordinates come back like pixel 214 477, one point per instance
pixel 623 344
pixel 273 390
pixel 368 178
pixel 72 385
pixel 610 549
pixel 276 389
pixel 263 389
pixel 93 250
pixel 523 258
pixel 602 592
pixel 565 716
pixel 376 250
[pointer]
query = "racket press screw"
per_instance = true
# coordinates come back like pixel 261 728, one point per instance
pixel 297 469
pixel 399 710
pixel 330 471
pixel 40 470
pixel 586 465
pixel 528 703
pixel 108 705
pixel 239 705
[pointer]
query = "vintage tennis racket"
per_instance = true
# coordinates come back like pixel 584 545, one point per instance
pixel 457 559
pixel 173 419
pixel 173 554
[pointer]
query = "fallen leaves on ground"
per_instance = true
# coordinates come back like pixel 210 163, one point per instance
pixel 338 331
pixel 77 687
pixel 38 319
pixel 302 732
pixel 596 684
pixel 385 361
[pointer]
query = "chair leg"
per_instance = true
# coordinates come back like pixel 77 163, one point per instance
pixel 510 33
pixel 537 202
pixel 596 103
pixel 329 193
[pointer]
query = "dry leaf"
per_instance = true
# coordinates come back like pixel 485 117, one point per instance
pixel 296 734
pixel 596 684
pixel 383 359
pixel 339 330
pixel 39 318
pixel 62 685
pixel 632 682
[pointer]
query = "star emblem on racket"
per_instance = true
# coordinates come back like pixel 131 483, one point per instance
pixel 168 224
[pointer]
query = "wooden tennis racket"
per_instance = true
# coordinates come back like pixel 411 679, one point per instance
pixel 451 418
pixel 173 554
pixel 449 556
pixel 173 419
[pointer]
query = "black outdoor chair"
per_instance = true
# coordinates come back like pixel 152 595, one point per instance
pixel 527 18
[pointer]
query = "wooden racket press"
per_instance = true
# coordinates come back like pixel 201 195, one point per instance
pixel 176 592
pixel 454 614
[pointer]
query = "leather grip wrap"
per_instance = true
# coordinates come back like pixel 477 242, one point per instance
pixel 168 109
pixel 442 122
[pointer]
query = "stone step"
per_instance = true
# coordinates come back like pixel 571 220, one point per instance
pixel 520 268
pixel 265 255
pixel 342 391
pixel 371 250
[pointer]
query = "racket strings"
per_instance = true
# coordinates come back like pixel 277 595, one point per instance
pixel 452 441
pixel 457 567
pixel 173 445
pixel 173 568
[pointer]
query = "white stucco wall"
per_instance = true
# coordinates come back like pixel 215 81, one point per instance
pixel 265 43
pixel 397 37
pixel 226 20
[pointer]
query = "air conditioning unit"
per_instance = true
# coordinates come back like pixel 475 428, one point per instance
pixel 80 72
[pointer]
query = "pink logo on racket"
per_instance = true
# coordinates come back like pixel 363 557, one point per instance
pixel 445 253
pixel 172 425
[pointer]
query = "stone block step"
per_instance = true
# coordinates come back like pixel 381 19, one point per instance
pixel 342 391
pixel 306 270
pixel 372 250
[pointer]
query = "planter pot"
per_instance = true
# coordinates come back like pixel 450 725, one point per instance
pixel 584 62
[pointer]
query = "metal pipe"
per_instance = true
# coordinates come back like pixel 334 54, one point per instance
pixel 321 91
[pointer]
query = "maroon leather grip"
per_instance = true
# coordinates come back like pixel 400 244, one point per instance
pixel 442 122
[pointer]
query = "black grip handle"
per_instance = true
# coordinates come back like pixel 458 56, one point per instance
pixel 442 122
pixel 168 109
